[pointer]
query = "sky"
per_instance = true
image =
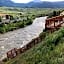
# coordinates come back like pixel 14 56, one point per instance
pixel 26 1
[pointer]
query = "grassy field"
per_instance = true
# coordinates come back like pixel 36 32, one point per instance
pixel 27 15
pixel 13 26
pixel 28 11
pixel 49 51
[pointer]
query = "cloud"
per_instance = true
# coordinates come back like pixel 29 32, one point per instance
pixel 26 1
pixel 52 0
pixel 22 1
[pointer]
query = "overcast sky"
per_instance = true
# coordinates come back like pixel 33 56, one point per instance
pixel 26 1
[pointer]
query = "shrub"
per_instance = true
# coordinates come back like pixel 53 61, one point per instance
pixel 55 37
pixel 15 25
pixel 5 60
pixel 2 30
pixel 29 22
pixel 0 19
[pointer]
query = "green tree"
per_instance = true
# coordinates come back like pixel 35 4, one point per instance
pixel 54 13
pixel 0 19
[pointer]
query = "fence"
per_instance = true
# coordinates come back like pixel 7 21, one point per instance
pixel 54 23
pixel 14 52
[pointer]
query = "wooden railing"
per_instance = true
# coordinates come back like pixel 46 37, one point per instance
pixel 54 22
pixel 14 52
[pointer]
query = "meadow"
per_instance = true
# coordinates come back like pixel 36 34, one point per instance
pixel 24 16
pixel 50 50
pixel 23 12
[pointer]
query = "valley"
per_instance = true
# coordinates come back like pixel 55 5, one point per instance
pixel 25 25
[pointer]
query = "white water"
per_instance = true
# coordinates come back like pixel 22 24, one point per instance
pixel 21 37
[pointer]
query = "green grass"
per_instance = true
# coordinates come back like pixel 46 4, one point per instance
pixel 49 51
pixel 27 14
pixel 13 26
pixel 28 11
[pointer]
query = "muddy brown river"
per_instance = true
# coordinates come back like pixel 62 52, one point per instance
pixel 21 37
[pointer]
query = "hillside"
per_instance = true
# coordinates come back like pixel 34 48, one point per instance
pixel 33 4
pixel 49 51
pixel 6 3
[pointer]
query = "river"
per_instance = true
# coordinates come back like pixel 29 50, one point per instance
pixel 21 37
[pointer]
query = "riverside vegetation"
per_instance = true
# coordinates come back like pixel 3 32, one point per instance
pixel 26 16
pixel 15 25
pixel 49 51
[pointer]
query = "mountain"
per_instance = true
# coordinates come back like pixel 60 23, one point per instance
pixel 36 0
pixel 46 4
pixel 6 3
pixel 33 4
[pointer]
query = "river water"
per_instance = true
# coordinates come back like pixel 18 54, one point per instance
pixel 21 37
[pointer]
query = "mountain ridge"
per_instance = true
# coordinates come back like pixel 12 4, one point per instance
pixel 33 4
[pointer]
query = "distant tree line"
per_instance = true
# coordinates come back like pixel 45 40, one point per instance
pixel 54 13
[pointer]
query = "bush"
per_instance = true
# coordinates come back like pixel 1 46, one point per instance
pixel 55 37
pixel 5 60
pixel 12 26
pixel 0 19
pixel 29 22
pixel 2 30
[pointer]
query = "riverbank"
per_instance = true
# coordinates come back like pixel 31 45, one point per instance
pixel 20 37
pixel 49 51
pixel 6 27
